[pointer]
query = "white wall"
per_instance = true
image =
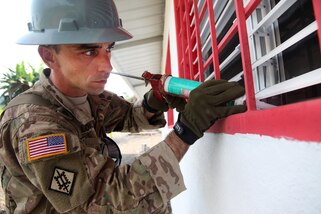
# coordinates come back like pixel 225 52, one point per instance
pixel 250 174
pixel 247 174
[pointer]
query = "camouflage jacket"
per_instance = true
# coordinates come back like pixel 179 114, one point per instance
pixel 52 160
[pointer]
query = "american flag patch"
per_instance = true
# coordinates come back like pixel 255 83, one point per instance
pixel 46 146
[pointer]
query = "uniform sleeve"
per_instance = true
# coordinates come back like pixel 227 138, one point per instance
pixel 162 165
pixel 124 116
pixel 79 177
pixel 144 187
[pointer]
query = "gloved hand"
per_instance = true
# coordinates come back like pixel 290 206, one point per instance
pixel 206 104
pixel 154 105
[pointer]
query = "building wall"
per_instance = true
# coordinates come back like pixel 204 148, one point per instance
pixel 246 173
pixel 250 174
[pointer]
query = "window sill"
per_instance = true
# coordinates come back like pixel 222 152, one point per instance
pixel 299 121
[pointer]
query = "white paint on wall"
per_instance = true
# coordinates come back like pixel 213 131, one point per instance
pixel 250 174
pixel 247 174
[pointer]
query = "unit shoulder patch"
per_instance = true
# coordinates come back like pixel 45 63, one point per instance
pixel 63 181
pixel 46 146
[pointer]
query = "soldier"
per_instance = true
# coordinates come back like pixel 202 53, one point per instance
pixel 55 156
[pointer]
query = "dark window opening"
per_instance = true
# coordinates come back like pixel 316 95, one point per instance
pixel 297 17
pixel 300 58
pixel 299 95
pixel 303 57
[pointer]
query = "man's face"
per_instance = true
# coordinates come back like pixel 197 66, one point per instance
pixel 81 69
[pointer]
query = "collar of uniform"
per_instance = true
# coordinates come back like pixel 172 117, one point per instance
pixel 59 98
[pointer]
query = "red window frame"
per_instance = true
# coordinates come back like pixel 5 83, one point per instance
pixel 168 71
pixel 299 121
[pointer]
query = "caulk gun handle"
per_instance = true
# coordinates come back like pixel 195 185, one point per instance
pixel 156 81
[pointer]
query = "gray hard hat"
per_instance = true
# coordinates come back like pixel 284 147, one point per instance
pixel 73 22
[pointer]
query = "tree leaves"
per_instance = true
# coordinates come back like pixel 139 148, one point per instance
pixel 17 81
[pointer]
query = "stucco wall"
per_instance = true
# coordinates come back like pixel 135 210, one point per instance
pixel 250 174
pixel 246 174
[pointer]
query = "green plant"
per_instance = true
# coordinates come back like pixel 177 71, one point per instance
pixel 16 81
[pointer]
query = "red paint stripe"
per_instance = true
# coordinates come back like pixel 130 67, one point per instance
pixel 300 121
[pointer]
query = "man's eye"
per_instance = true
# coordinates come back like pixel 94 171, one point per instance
pixel 90 53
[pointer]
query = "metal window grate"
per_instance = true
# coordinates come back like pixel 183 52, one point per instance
pixel 201 41
pixel 271 46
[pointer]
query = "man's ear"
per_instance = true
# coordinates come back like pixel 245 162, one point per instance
pixel 47 55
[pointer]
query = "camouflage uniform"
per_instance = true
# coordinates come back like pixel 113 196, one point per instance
pixel 78 177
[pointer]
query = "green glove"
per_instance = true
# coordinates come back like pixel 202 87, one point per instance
pixel 206 104
pixel 154 105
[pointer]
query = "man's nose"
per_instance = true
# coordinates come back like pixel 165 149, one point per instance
pixel 105 62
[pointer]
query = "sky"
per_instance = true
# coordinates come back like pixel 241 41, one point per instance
pixel 14 16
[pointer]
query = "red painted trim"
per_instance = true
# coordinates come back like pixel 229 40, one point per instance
pixel 177 12
pixel 198 42
pixel 215 53
pixel 251 6
pixel 203 10
pixel 300 121
pixel 317 14
pixel 245 55
pixel 168 64
pixel 168 71
pixel 170 118
pixel 189 66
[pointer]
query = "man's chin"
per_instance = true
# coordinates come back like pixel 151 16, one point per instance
pixel 96 92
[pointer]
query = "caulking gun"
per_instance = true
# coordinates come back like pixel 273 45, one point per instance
pixel 165 84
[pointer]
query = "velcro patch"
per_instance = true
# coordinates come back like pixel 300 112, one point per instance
pixel 46 146
pixel 63 181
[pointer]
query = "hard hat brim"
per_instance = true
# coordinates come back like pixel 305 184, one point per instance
pixel 81 36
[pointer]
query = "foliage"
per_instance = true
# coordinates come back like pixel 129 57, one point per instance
pixel 16 81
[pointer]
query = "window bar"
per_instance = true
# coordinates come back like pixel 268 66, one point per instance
pixel 168 71
pixel 186 43
pixel 215 55
pixel 184 38
pixel 305 80
pixel 227 61
pixel 230 58
pixel 245 54
pixel 177 8
pixel 250 7
pixel 274 14
pixel 317 14
pixel 219 7
pixel 203 10
pixel 189 41
pixel 199 46
pixel 288 43
pixel 227 12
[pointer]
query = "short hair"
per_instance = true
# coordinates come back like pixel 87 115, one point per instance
pixel 56 48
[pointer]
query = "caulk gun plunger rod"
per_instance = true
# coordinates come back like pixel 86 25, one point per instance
pixel 127 75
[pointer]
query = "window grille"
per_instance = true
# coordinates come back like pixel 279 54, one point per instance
pixel 272 47
pixel 168 71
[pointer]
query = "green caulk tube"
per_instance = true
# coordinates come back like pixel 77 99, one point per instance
pixel 183 87
pixel 179 86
